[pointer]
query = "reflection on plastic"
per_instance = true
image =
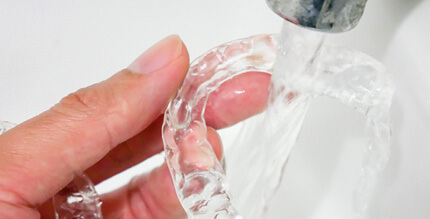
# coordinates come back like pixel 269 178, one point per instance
pixel 78 199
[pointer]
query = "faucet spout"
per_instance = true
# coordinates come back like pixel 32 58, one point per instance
pixel 323 15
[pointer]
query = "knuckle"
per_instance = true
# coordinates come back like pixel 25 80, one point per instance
pixel 84 100
pixel 99 104
pixel 96 101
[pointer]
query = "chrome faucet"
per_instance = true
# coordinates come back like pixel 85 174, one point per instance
pixel 323 15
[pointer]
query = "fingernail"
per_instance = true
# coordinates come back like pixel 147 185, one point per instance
pixel 158 56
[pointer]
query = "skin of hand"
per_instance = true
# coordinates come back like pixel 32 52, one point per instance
pixel 110 126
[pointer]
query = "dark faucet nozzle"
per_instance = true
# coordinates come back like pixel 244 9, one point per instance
pixel 324 15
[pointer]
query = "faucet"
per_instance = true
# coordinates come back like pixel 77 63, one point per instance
pixel 331 16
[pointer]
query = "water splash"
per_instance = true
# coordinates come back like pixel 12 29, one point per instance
pixel 302 67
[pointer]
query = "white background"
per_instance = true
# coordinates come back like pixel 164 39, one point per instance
pixel 49 48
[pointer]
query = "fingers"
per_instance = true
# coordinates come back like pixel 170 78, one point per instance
pixel 51 148
pixel 237 99
pixel 151 196
pixel 113 203
pixel 135 150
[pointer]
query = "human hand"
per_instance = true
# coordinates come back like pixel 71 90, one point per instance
pixel 110 126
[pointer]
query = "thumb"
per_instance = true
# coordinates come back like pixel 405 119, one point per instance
pixel 51 148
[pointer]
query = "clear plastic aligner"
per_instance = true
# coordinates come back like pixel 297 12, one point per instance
pixel 303 67
pixel 211 199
